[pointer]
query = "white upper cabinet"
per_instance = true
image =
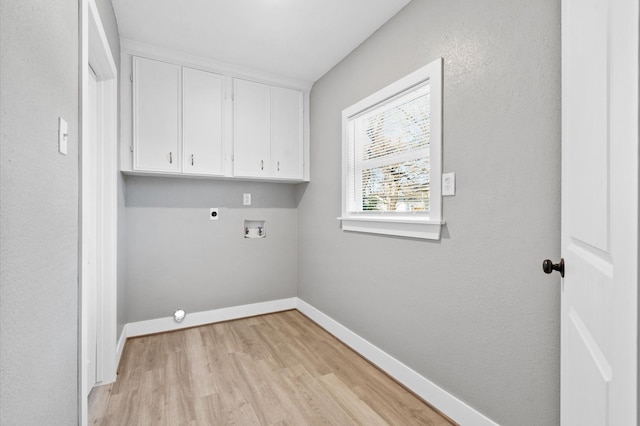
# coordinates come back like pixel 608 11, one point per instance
pixel 267 131
pixel 189 121
pixel 177 119
pixel 202 112
pixel 251 129
pixel 156 116
pixel 286 133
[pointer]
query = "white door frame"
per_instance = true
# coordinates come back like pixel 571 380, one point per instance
pixel 95 52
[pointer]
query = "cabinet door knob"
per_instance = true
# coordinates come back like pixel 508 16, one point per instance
pixel 170 158
pixel 192 159
pixel 278 167
pixel 261 164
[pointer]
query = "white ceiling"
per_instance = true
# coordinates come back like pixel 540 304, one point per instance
pixel 298 39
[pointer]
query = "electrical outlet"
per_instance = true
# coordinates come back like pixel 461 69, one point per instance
pixel 246 199
pixel 213 213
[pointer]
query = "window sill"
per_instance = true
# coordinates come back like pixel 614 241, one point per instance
pixel 412 228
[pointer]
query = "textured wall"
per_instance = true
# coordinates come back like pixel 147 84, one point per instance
pixel 108 18
pixel 473 312
pixel 178 258
pixel 38 213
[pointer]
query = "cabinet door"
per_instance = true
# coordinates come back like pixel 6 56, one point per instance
pixel 202 102
pixel 286 133
pixel 156 116
pixel 251 129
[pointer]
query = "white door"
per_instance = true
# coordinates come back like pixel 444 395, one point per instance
pixel 286 133
pixel 202 122
pixel 599 212
pixel 89 226
pixel 156 115
pixel 251 128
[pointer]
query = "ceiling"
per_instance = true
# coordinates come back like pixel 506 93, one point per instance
pixel 297 39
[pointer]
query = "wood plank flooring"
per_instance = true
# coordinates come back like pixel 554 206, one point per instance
pixel 276 369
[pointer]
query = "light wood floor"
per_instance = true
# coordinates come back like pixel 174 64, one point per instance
pixel 277 369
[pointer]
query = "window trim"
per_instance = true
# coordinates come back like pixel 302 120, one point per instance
pixel 414 226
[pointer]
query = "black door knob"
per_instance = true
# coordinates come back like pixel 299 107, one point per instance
pixel 548 267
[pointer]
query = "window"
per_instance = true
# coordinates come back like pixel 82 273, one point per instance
pixel 392 158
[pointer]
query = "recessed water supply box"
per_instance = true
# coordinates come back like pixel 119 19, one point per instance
pixel 255 229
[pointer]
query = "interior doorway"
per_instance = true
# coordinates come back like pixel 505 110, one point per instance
pixel 98 208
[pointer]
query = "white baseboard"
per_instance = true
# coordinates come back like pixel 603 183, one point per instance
pixel 120 348
pixel 454 408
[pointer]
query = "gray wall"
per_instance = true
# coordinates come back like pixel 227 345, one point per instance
pixel 178 258
pixel 39 213
pixel 108 18
pixel 473 312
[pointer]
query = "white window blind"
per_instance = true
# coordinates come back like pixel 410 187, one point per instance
pixel 389 157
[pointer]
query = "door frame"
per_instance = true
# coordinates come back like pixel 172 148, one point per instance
pixel 95 52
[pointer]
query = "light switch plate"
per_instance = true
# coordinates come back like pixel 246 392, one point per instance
pixel 246 199
pixel 63 135
pixel 448 184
